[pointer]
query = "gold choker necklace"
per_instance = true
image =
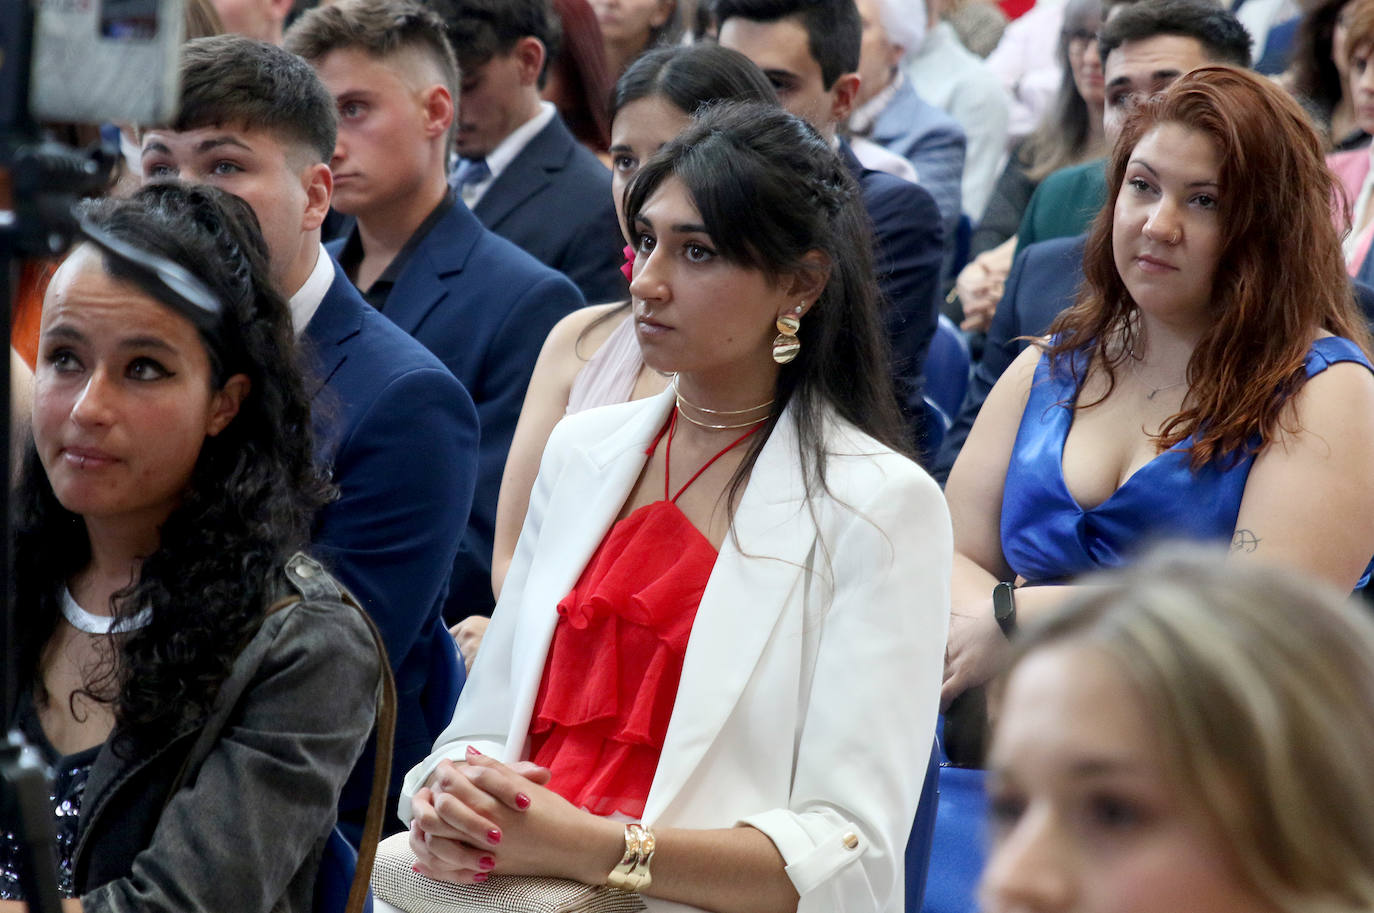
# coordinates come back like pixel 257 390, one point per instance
pixel 684 401
pixel 726 427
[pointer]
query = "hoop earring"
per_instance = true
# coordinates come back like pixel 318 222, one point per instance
pixel 786 345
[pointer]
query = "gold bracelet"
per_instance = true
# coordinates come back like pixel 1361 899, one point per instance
pixel 632 873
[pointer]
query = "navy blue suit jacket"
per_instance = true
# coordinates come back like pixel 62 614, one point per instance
pixel 908 250
pixel 554 200
pixel 1044 279
pixel 399 434
pixel 483 306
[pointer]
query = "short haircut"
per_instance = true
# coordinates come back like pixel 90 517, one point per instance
pixel 229 80
pixel 387 30
pixel 1358 18
pixel 1224 40
pixel 833 28
pixel 481 29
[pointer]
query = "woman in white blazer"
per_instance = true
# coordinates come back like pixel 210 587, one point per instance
pixel 792 762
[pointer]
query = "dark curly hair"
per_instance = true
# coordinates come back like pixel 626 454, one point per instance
pixel 250 501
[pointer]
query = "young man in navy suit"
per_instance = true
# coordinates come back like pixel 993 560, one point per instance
pixel 520 170
pixel 397 430
pixel 809 50
pixel 478 302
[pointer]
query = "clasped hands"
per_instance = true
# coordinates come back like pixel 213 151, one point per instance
pixel 482 816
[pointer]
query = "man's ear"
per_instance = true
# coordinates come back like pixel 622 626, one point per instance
pixel 318 182
pixel 810 279
pixel 437 103
pixel 842 95
pixel 529 54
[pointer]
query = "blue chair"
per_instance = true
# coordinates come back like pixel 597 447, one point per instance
pixel 946 375
pixel 447 675
pixel 958 848
pixel 922 833
pixel 335 877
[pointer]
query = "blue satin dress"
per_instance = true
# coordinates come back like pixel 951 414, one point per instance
pixel 1047 537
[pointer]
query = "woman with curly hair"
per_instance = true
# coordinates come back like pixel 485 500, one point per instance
pixel 168 486
pixel 1212 382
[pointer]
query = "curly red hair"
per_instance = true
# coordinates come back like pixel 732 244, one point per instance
pixel 1279 281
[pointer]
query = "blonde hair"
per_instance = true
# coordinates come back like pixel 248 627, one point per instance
pixel 1260 684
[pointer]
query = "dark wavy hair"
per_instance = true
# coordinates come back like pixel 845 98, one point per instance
pixel 251 497
pixel 770 190
pixel 1280 277
pixel 1315 77
pixel 692 76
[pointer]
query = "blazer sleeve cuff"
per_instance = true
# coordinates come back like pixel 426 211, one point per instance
pixel 815 846
pixel 453 751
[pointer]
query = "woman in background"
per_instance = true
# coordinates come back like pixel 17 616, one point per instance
pixel 1212 382
pixel 1188 735
pixel 631 27
pixel 1069 133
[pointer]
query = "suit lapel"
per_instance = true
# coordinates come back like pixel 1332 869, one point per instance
pixel 527 174
pixel 442 253
pixel 338 319
pixel 749 587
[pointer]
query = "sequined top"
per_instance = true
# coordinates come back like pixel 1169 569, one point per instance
pixel 70 773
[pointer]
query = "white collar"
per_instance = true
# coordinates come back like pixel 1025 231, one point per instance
pixel 308 297
pixel 510 147
pixel 91 623
pixel 861 119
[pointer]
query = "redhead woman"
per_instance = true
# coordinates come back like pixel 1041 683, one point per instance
pixel 1212 382
pixel 747 560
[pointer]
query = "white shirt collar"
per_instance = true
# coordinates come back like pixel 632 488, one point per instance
pixel 510 147
pixel 861 119
pixel 308 297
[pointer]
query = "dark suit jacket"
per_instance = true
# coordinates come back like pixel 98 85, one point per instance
pixel 1044 279
pixel 554 200
pixel 908 250
pixel 483 306
pixel 400 436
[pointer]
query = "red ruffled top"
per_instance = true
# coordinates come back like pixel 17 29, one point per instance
pixel 611 677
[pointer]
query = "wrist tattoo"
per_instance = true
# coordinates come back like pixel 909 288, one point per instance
pixel 1244 541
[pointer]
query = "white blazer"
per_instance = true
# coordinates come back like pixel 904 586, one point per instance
pixel 811 680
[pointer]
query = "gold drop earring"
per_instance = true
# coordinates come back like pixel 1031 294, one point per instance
pixel 786 345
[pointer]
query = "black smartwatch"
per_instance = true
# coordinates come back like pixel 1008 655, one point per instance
pixel 1004 607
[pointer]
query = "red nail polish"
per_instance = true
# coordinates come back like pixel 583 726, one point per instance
pixel 472 750
pixel 494 836
pixel 486 862
pixel 480 877
pixel 416 870
pixel 522 801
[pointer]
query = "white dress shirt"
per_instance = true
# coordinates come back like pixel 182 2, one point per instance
pixel 506 151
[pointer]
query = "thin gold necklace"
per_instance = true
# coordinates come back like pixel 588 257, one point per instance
pixel 727 427
pixel 684 401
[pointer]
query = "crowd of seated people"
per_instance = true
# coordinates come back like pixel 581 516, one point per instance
pixel 557 385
